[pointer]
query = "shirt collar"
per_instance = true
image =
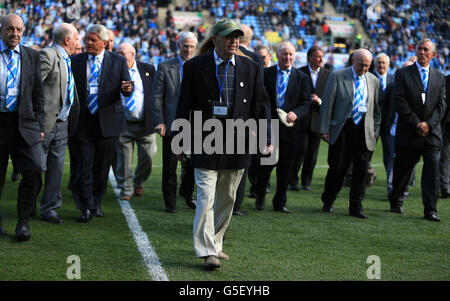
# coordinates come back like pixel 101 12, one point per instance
pixel 100 56
pixel 355 76
pixel 134 67
pixel 3 47
pixel 379 75
pixel 288 69
pixel 218 60
pixel 312 71
pixel 420 67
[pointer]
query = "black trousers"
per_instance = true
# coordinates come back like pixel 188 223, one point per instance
pixel 169 176
pixel 350 147
pixel 28 162
pixel 306 155
pixel 405 160
pixel 93 157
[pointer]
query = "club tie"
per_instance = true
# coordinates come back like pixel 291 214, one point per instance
pixel 282 87
pixel 357 115
pixel 11 100
pixel 425 79
pixel 131 102
pixel 93 82
pixel 71 82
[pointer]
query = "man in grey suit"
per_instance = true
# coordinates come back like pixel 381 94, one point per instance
pixel 21 117
pixel 350 122
pixel 61 114
pixel 166 88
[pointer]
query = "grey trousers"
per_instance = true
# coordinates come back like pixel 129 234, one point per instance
pixel 216 193
pixel 146 150
pixel 54 152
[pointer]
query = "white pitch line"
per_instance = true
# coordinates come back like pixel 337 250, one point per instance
pixel 148 253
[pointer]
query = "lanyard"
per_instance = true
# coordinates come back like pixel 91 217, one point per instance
pixel 7 66
pixel 224 78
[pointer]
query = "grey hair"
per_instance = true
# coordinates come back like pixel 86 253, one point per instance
pixel 433 47
pixel 100 30
pixel 62 31
pixel 380 55
pixel 186 35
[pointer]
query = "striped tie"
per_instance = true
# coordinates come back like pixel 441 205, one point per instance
pixel 131 103
pixel 93 98
pixel 425 79
pixel 71 82
pixel 357 115
pixel 11 100
pixel 282 89
pixel 383 83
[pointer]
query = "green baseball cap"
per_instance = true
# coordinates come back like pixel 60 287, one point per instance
pixel 224 27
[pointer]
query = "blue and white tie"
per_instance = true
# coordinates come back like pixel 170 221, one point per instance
pixel 11 100
pixel 425 79
pixel 93 82
pixel 383 83
pixel 357 115
pixel 282 89
pixel 71 82
pixel 131 102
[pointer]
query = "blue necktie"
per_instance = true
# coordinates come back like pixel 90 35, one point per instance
pixel 131 102
pixel 357 115
pixel 71 82
pixel 11 100
pixel 383 83
pixel 425 79
pixel 282 87
pixel 93 98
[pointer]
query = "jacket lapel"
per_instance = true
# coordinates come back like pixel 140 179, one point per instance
pixel 209 77
pixel 63 73
pixel 175 74
pixel 24 65
pixel 348 83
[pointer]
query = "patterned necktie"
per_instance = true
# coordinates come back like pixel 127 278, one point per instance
pixel 93 98
pixel 71 82
pixel 282 87
pixel 11 100
pixel 357 115
pixel 425 79
pixel 131 102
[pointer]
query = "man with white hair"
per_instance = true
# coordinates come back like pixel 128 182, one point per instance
pixel 101 77
pixel 166 89
pixel 61 114
pixel 350 122
pixel 139 130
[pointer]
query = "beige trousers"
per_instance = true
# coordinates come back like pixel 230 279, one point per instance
pixel 216 193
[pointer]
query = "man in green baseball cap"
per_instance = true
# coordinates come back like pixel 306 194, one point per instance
pixel 225 36
pixel 224 27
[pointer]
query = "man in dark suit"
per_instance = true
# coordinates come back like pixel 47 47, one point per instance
pixel 139 130
pixel 166 90
pixel 350 122
pixel 21 117
pixel 223 85
pixel 308 146
pixel 100 77
pixel 288 90
pixel 444 164
pixel 61 114
pixel 419 93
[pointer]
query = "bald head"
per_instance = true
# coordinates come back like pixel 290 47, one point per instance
pixel 66 36
pixel 12 30
pixel 362 58
pixel 128 52
pixel 110 44
pixel 247 37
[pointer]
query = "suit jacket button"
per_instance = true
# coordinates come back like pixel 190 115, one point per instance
pixel 245 100
pixel 209 100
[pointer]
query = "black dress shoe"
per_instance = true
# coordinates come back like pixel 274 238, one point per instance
pixel 240 213
pixel 294 187
pixel 260 204
pixel 327 208
pixel 191 203
pixel 432 217
pixel 358 214
pixel 85 216
pixel 306 188
pixel 171 210
pixel 282 209
pixel 397 209
pixel 53 220
pixel 97 212
pixel 2 231
pixel 23 230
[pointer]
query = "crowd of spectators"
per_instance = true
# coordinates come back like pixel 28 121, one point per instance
pixel 400 25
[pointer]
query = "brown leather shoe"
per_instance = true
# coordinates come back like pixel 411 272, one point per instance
pixel 125 198
pixel 139 191
pixel 211 262
pixel 223 256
